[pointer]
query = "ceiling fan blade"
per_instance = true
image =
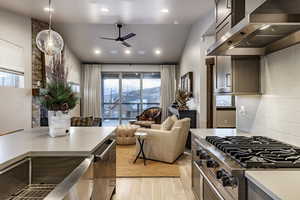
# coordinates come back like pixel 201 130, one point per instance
pixel 126 44
pixel 130 35
pixel 106 38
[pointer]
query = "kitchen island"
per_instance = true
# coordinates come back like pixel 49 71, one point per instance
pixel 82 141
pixel 263 184
pixel 81 165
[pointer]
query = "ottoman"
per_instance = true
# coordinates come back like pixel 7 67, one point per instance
pixel 125 134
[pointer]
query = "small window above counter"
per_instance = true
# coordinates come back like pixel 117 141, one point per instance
pixel 225 102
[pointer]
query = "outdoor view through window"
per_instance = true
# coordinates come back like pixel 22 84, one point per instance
pixel 126 95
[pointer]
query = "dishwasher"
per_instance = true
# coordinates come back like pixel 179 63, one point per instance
pixel 105 171
pixel 62 178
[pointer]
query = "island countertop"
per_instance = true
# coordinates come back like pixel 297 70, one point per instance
pixel 82 141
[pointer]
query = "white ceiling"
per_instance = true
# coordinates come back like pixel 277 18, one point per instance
pixel 82 21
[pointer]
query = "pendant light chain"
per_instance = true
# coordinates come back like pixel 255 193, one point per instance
pixel 50 14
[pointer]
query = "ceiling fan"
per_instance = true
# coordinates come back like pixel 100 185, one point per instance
pixel 121 39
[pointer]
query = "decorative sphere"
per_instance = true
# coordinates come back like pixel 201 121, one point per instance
pixel 49 42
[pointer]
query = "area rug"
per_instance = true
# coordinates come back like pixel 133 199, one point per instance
pixel 126 168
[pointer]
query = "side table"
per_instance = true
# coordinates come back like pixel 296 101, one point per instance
pixel 141 139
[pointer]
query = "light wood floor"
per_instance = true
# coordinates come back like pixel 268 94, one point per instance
pixel 158 188
pixel 127 169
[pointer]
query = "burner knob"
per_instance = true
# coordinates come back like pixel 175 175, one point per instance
pixel 212 163
pixel 229 181
pixel 220 174
pixel 199 151
pixel 204 156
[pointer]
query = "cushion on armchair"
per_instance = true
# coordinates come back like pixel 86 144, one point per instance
pixel 167 124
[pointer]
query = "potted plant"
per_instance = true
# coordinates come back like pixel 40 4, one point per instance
pixel 59 99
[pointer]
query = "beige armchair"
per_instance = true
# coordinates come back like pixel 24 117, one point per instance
pixel 166 145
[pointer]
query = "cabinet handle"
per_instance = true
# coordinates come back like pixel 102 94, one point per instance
pixel 102 155
pixel 208 181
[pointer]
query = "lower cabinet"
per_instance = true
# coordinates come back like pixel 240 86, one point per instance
pixel 255 193
pixel 225 118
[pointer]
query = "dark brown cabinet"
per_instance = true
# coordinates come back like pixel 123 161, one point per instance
pixel 228 14
pixel 237 75
pixel 223 10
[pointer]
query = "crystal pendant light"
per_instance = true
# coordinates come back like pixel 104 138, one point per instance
pixel 49 41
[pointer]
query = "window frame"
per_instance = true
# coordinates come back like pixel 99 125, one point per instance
pixel 16 73
pixel 139 104
pixel 233 104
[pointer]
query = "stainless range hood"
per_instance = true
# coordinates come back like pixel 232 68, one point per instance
pixel 273 26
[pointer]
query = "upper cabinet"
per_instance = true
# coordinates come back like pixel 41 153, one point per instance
pixel 237 75
pixel 223 10
pixel 228 13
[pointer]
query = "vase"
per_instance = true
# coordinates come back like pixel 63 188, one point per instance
pixel 59 123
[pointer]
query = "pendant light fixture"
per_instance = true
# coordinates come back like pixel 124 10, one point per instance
pixel 49 41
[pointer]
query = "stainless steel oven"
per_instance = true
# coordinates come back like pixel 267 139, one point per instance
pixel 211 180
pixel 202 186
pixel 197 181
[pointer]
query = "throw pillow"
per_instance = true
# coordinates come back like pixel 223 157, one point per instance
pixel 167 124
pixel 174 118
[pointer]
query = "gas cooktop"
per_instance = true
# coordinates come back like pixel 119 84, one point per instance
pixel 258 151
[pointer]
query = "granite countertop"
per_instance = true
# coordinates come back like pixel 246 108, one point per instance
pixel 280 184
pixel 82 141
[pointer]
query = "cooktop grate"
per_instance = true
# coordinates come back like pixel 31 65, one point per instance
pixel 33 191
pixel 258 151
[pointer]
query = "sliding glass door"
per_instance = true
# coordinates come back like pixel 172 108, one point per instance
pixel 110 99
pixel 126 95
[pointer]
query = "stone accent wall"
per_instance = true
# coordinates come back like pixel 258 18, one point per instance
pixel 38 69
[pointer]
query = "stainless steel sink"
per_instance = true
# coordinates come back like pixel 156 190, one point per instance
pixel 49 178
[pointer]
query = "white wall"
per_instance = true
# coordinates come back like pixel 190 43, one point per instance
pixel 73 64
pixel 277 112
pixel 193 59
pixel 15 104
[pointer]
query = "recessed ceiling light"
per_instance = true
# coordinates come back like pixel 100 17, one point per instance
pixel 127 51
pixel 97 51
pixel 141 52
pixel 104 10
pixel 164 10
pixel 48 9
pixel 157 51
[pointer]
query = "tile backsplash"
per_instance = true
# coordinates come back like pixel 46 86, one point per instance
pixel 277 111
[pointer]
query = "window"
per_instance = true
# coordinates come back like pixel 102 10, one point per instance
pixel 12 79
pixel 75 87
pixel 225 101
pixel 126 95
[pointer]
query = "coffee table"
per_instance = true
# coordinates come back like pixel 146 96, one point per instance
pixel 141 139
